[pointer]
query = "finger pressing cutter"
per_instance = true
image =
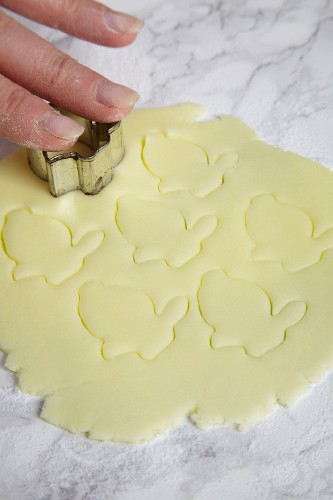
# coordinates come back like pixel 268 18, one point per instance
pixel 69 170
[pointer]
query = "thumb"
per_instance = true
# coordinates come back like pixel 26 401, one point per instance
pixel 291 313
pixel 204 226
pixel 326 239
pixel 175 310
pixel 89 242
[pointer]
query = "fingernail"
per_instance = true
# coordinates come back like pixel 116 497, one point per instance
pixel 60 126
pixel 114 95
pixel 122 23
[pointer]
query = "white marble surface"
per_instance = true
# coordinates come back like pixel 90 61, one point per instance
pixel 270 63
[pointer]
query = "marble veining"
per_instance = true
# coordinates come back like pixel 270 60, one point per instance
pixel 270 63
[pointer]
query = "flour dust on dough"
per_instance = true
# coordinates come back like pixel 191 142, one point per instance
pixel 197 284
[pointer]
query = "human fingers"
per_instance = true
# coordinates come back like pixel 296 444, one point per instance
pixel 84 19
pixel 45 71
pixel 30 121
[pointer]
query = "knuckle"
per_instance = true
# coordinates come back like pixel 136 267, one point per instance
pixel 70 6
pixel 16 101
pixel 59 69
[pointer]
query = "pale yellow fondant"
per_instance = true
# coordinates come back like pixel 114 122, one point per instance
pixel 198 283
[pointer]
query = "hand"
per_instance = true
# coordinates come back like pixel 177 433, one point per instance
pixel 31 70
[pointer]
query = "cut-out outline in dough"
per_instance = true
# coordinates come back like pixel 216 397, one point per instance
pixel 47 216
pixel 312 236
pixel 103 342
pixel 186 227
pixel 272 314
pixel 168 135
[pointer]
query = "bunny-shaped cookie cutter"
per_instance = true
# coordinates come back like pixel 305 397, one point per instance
pixel 67 171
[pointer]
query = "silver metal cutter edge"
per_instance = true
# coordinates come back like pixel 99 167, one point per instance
pixel 69 171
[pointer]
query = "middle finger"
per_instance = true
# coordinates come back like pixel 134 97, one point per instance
pixel 36 65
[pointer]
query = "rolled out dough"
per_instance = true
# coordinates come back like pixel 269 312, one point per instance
pixel 198 283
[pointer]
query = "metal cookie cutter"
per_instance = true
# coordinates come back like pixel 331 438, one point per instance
pixel 68 170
